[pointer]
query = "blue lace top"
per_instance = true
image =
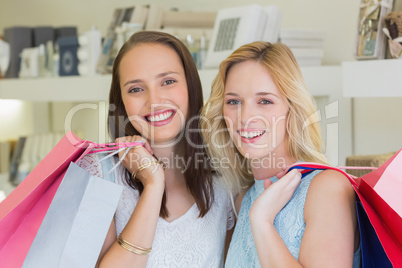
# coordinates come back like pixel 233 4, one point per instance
pixel 289 223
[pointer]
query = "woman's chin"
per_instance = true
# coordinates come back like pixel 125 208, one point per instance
pixel 166 139
pixel 253 153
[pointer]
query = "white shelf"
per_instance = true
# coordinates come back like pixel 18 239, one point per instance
pixel 374 78
pixel 72 88
pixel 322 81
pixel 96 88
pixel 315 77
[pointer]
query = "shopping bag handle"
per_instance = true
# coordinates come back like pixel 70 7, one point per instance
pixel 107 147
pixel 113 149
pixel 308 167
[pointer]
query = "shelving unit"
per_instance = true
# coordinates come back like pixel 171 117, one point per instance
pixel 374 78
pixel 96 88
pixel 55 89
pixel 324 83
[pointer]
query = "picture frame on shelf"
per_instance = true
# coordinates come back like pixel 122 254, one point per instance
pixel 370 39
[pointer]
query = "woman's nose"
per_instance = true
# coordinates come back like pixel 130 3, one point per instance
pixel 154 97
pixel 247 114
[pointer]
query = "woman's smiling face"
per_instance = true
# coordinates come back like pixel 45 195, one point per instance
pixel 154 91
pixel 255 111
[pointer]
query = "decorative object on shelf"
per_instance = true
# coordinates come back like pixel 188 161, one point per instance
pixel 272 24
pixel 202 53
pixel 188 19
pixel 393 30
pixel 306 45
pixel 370 41
pixel 241 25
pixel 68 61
pixel 4 57
pixel 18 38
pixel 192 47
pixel 124 32
pixel 154 17
pixel 65 31
pixel 28 152
pixel 90 44
pixel 32 62
pixel 15 160
pixel 109 47
pixel 5 155
pixel 42 34
pixel 194 29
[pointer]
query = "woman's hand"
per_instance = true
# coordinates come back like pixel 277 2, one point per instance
pixel 274 198
pixel 138 156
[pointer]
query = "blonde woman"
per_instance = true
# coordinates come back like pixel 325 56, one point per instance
pixel 261 119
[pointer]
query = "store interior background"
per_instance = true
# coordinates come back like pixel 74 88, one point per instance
pixel 376 122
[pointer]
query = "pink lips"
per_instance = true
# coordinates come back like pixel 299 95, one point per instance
pixel 160 118
pixel 250 135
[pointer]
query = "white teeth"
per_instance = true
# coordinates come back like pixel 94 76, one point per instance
pixel 250 135
pixel 160 117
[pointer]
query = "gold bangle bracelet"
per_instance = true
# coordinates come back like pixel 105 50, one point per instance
pixel 147 165
pixel 133 248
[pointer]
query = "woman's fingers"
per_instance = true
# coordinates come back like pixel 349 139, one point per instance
pixel 292 178
pixel 137 155
pixel 282 173
pixel 148 147
pixel 267 183
pixel 132 139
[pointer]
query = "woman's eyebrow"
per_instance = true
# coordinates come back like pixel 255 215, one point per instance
pixel 231 94
pixel 165 74
pixel 263 93
pixel 157 76
pixel 132 82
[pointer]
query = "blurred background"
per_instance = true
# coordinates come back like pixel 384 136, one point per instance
pixel 339 45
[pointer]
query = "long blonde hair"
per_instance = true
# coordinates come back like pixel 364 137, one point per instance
pixel 303 130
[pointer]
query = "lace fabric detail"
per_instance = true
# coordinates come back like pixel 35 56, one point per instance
pixel 189 241
pixel 91 164
pixel 289 224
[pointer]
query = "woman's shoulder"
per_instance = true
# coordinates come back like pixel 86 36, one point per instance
pixel 331 180
pixel 328 189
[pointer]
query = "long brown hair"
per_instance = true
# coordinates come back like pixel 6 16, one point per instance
pixel 198 174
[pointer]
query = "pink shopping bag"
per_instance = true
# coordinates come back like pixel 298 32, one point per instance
pixel 379 199
pixel 76 224
pixel 381 190
pixel 22 212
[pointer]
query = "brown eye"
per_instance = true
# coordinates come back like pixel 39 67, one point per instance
pixel 168 82
pixel 134 90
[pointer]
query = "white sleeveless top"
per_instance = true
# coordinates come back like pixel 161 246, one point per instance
pixel 188 241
